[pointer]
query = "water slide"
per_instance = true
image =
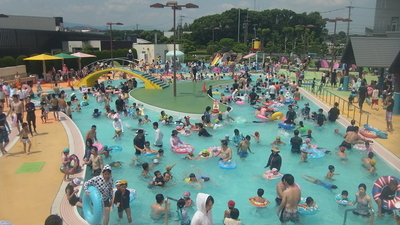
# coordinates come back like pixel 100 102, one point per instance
pixel 216 60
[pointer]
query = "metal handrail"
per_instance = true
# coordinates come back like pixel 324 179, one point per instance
pixel 370 209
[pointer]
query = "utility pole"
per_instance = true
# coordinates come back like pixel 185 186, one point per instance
pixel 246 27
pixel 180 27
pixel 239 27
pixel 348 22
pixel 137 26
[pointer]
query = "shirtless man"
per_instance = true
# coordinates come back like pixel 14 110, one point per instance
pixel 352 137
pixel 157 209
pixel 55 107
pixel 290 199
pixel 17 107
pixel 62 104
pixel 226 152
pixel 280 187
pixel 91 134
pixel 243 147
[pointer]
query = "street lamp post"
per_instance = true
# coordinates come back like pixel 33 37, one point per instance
pixel 111 41
pixel 304 35
pixel 175 6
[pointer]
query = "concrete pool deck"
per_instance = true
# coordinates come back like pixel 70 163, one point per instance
pixel 41 193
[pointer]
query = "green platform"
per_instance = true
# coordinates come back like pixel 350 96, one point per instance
pixel 31 167
pixel 189 99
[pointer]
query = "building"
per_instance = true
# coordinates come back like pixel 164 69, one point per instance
pixel 387 19
pixel 149 52
pixel 31 23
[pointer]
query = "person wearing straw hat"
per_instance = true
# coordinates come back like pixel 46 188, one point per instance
pixel 71 191
pixel 275 160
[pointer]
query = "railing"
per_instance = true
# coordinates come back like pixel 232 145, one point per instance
pixel 347 109
pixel 370 209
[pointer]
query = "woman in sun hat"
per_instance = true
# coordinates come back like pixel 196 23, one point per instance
pixel 275 160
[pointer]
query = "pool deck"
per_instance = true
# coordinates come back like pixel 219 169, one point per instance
pixel 41 194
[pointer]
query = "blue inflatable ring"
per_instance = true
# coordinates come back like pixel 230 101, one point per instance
pixel 92 216
pixel 229 165
pixel 316 154
pixel 286 126
pixel 115 148
pixel 380 133
pixel 339 200
pixel 304 211
pixel 149 154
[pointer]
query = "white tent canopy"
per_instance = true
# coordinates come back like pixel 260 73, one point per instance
pixel 180 56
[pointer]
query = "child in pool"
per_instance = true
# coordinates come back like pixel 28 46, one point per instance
pixel 309 203
pixel 121 200
pixel 331 173
pixel 96 113
pixel 308 135
pixel 183 216
pixel 160 153
pixel 191 156
pixel 231 205
pixel 186 197
pixel 256 137
pixel 259 198
pixel 345 195
pixel 278 141
pixel 192 180
pixel 237 137
pixel 205 154
pixel 140 121
pixel 147 148
pixel 313 115
pixel 105 151
pixel 146 119
pixel 342 154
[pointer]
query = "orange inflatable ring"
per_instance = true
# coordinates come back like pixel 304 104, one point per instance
pixel 258 204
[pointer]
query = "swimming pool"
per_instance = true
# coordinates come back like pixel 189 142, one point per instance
pixel 241 183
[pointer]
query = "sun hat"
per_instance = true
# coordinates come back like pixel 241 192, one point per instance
pixel 76 181
pixel 231 204
pixel 66 150
pixel 275 150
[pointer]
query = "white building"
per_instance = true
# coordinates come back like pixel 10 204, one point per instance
pixel 31 23
pixel 149 52
pixel 387 18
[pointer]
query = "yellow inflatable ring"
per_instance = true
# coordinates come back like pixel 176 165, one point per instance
pixel 258 204
pixel 276 116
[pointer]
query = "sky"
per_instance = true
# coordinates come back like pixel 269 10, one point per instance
pixel 138 14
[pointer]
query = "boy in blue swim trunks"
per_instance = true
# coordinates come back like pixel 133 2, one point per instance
pixel 319 182
pixel 243 147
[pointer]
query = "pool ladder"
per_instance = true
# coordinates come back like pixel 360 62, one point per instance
pixel 370 209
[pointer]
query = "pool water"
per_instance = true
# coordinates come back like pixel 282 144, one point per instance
pixel 241 183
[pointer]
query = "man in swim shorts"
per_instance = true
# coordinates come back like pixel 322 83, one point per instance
pixel 351 137
pixel 226 152
pixel 243 147
pixel 280 187
pixel 290 199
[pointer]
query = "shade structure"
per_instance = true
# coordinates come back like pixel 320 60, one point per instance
pixel 82 55
pixel 180 56
pixel 249 55
pixel 43 57
pixel 65 56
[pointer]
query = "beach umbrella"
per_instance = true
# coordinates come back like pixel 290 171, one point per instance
pixel 65 56
pixel 81 55
pixel 43 57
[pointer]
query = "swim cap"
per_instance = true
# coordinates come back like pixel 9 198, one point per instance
pixel 308 140
pixel 373 162
pixel 278 137
pixel 186 194
pixel 274 170
pixel 204 151
pixel 155 161
pixel 226 135
pixel 178 127
pixel 220 112
pixel 309 131
pixel 342 148
pixel 336 130
pixel 168 167
pixel 123 182
pixel 146 116
pixel 216 121
pixel 192 175
pixel 307 103
pixel 105 147
pixel 76 181
pixel 66 150
pixel 231 204
pixel 118 182
pixel 256 133
pixel 140 119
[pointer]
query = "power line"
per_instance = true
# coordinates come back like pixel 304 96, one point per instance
pixel 333 10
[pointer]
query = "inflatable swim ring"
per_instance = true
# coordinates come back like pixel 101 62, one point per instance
pixel 216 93
pixel 316 154
pixel 240 102
pixel 341 201
pixel 368 133
pixel 92 206
pixel 379 184
pixel 360 147
pixel 276 116
pixel 132 193
pixel 108 91
pixel 215 150
pixel 84 103
pixel 149 154
pixel 380 133
pixel 258 204
pixel 183 149
pixel 262 117
pixel 98 145
pixel 270 176
pixel 303 129
pixel 227 165
pixel 286 126
pixel 304 211
pixel 115 148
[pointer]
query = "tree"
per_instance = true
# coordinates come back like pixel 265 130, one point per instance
pixel 20 60
pixel 226 44
pixel 240 48
pixel 287 32
pixel 8 61
pixel 212 48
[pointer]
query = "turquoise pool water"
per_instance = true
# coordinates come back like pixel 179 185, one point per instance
pixel 241 183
